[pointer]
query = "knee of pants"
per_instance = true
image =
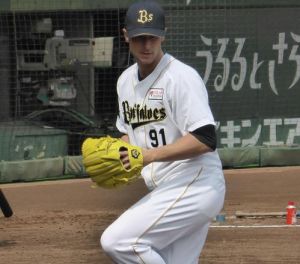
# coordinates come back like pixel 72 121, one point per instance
pixel 107 242
pixel 114 244
pixel 117 246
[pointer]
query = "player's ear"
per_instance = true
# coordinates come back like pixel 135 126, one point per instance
pixel 125 35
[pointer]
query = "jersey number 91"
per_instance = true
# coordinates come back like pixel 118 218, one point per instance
pixel 157 138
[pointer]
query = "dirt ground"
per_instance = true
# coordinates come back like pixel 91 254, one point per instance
pixel 59 222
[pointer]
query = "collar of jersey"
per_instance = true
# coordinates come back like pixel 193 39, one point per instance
pixel 151 78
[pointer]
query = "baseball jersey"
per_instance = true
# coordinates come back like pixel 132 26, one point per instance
pixel 158 110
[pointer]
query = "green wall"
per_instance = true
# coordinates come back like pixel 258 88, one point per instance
pixel 248 53
pixel 26 5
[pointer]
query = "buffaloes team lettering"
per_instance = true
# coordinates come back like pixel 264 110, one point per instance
pixel 144 16
pixel 138 115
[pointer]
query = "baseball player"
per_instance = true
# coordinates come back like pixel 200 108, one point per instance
pixel 164 109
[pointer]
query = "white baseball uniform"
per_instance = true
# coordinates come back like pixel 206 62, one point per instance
pixel 170 224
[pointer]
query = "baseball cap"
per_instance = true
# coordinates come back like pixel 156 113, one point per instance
pixel 145 17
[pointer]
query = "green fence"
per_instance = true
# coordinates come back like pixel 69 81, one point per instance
pixel 60 61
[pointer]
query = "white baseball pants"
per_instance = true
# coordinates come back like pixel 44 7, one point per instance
pixel 170 224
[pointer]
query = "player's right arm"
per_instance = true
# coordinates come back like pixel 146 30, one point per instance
pixel 186 147
pixel 193 118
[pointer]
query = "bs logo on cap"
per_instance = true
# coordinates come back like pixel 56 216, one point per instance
pixel 144 16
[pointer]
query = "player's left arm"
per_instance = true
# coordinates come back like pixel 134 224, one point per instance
pixel 192 144
pixel 125 138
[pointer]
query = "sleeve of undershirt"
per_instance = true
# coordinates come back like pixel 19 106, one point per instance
pixel 206 135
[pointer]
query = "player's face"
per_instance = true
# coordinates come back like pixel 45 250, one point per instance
pixel 146 49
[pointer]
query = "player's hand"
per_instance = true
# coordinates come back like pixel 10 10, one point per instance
pixel 125 159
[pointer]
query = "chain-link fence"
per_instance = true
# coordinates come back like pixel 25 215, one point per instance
pixel 60 61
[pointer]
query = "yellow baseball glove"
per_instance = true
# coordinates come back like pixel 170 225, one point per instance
pixel 101 158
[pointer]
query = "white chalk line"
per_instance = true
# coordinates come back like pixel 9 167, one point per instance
pixel 254 226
